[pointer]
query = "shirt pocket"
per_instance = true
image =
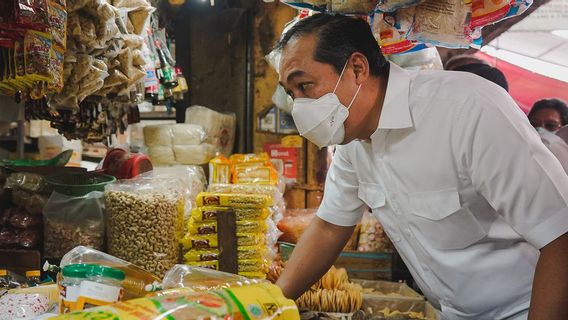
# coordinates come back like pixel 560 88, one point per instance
pixel 440 219
pixel 374 197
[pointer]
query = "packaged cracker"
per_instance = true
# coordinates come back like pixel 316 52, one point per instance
pixel 201 214
pixel 210 227
pixel 233 200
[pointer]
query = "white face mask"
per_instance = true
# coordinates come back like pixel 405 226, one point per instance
pixel 321 120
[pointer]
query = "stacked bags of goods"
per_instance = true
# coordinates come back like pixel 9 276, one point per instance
pixel 178 144
pixel 404 26
pixel 257 206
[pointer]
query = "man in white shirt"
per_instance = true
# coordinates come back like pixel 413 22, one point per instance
pixel 475 204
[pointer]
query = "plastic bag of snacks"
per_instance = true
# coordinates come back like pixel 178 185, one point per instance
pixel 391 30
pixel 194 182
pixel 145 221
pixel 353 6
pixel 442 22
pixel 392 5
pixel 136 278
pixel 234 200
pixel 220 127
pixel 202 279
pixel 219 170
pixel 247 302
pixel 202 214
pixel 70 221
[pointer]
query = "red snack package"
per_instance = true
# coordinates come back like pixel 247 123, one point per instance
pixel 29 238
pixel 21 219
pixel 32 14
pixel 8 236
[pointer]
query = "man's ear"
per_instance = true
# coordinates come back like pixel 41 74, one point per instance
pixel 360 66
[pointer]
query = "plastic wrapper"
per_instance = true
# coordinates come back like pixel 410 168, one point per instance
pixel 392 5
pixel 129 3
pixel 136 278
pixel 194 154
pixel 219 127
pixel 353 6
pixel 442 22
pixel 187 134
pixel 392 29
pixel 162 155
pixel 29 238
pixel 185 304
pixel 316 5
pixel 209 241
pixel 21 219
pixel 243 253
pixel 486 12
pixel 194 182
pixel 257 266
pixel 30 182
pixel 234 200
pixel 8 236
pixel 210 227
pixel 58 23
pixel 47 299
pixel 23 305
pixel 140 18
pixel 294 224
pixel 145 221
pixel 255 175
pixel 210 213
pixel 71 221
pixel 158 135
pixel 32 202
pixel 425 59
pixel 220 170
pixel 202 279
pixel 31 14
pixel 372 237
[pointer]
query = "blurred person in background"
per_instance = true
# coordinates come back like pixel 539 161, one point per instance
pixel 548 116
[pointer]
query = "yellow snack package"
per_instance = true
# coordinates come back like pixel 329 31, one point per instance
pixel 210 227
pixel 234 200
pixel 219 170
pixel 259 301
pixel 244 265
pixel 261 157
pixel 247 174
pixel 210 213
pixel 210 240
pixel 253 252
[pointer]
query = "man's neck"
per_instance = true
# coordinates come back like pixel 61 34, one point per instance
pixel 374 114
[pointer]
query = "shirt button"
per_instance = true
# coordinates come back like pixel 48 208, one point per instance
pixel 408 233
pixel 425 268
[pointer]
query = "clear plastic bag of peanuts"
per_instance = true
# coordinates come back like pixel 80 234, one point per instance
pixel 145 221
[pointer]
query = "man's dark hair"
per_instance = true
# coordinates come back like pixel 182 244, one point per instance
pixel 338 37
pixel 486 71
pixel 554 104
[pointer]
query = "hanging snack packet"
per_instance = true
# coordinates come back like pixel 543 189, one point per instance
pixel 518 7
pixel 393 5
pixel 443 22
pixel 484 12
pixel 58 23
pixel 31 14
pixel 244 265
pixel 353 6
pixel 391 30
pixel 37 47
pixel 56 66
pixel 243 253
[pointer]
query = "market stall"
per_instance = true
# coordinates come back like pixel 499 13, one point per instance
pixel 170 221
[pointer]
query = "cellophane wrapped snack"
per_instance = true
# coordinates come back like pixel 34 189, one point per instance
pixel 262 301
pixel 136 281
pixel 219 127
pixel 145 221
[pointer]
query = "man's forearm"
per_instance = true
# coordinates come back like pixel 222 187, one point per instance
pixel 550 286
pixel 316 251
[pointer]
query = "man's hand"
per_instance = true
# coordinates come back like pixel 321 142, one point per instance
pixel 550 286
pixel 316 251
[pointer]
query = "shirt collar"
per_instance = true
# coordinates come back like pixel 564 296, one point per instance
pixel 395 113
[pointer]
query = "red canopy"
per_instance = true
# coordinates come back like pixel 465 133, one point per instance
pixel 527 87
